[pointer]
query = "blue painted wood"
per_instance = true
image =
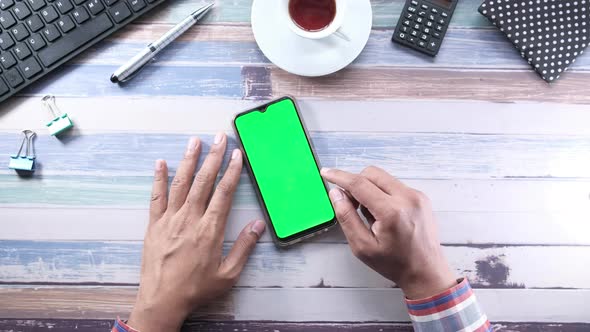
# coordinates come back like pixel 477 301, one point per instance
pixel 462 48
pixel 93 80
pixel 435 155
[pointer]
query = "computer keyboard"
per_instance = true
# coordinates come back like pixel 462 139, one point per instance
pixel 37 36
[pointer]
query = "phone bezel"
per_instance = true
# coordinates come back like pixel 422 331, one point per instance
pixel 310 232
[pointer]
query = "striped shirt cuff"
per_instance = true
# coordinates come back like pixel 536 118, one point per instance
pixel 455 309
pixel 120 326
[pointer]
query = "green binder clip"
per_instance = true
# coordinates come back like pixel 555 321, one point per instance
pixel 60 122
pixel 26 162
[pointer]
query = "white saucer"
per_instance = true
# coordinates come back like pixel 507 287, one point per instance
pixel 309 57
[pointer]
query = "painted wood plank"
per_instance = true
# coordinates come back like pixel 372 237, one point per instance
pixel 96 224
pixel 385 13
pixel 185 115
pixel 318 304
pixel 309 265
pixel 214 45
pixel 351 83
pixel 95 325
pixel 398 83
pixel 407 155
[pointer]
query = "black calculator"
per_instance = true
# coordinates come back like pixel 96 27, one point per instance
pixel 423 24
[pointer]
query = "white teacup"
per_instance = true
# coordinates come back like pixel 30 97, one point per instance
pixel 332 28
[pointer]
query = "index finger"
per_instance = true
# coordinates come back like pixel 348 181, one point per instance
pixel 363 190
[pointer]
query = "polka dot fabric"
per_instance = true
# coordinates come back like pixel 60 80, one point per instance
pixel 549 34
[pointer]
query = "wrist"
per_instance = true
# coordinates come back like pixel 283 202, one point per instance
pixel 146 318
pixel 426 284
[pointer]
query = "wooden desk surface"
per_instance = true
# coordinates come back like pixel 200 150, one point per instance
pixel 504 157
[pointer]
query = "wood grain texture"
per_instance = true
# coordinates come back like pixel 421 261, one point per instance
pixel 94 325
pixel 190 115
pixel 296 305
pixel 385 13
pixel 407 155
pixel 311 265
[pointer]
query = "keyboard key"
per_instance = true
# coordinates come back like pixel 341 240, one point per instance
pixel 404 29
pixel 36 4
pixel 436 34
pixel 5 4
pixel 49 14
pixel 424 37
pixel 36 42
pixel 422 43
pixel 21 10
pixel 444 14
pixel 19 32
pixel 411 40
pixel 30 67
pixel 13 78
pixel 414 3
pixel 64 6
pixel 426 30
pixel 407 22
pixel 119 12
pixel 7 20
pixel 422 13
pixel 6 41
pixel 110 2
pixel 442 22
pixel 3 87
pixel 401 35
pixel 80 15
pixel 419 19
pixel 34 22
pixel 414 33
pixel 417 26
pixel 50 32
pixel 438 28
pixel 431 17
pixel 74 40
pixel 66 24
pixel 21 51
pixel 7 60
pixel 432 45
pixel 412 9
pixel 424 6
pixel 137 5
pixel 434 10
pixel 151 1
pixel 95 7
pixel 79 2
pixel 429 24
pixel 409 16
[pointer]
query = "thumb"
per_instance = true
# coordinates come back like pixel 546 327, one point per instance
pixel 355 230
pixel 238 255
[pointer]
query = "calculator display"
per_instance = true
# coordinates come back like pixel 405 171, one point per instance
pixel 443 3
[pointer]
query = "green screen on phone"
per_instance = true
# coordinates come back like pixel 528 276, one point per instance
pixel 284 168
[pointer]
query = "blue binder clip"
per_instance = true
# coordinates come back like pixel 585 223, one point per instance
pixel 26 162
pixel 59 122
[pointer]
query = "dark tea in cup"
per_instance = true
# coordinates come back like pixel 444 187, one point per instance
pixel 312 15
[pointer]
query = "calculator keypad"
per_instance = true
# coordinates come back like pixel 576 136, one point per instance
pixel 422 26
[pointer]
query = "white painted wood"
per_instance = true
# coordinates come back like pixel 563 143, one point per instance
pixel 308 265
pixel 511 211
pixel 295 305
pixel 194 114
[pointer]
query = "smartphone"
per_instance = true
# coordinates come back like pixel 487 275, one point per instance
pixel 285 171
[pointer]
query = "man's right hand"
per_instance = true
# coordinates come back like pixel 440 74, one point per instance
pixel 402 242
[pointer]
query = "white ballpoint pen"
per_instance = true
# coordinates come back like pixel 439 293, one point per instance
pixel 135 64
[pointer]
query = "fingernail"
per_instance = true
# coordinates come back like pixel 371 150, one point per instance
pixel 324 170
pixel 235 154
pixel 218 138
pixel 192 145
pixel 258 227
pixel 336 195
pixel 159 164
